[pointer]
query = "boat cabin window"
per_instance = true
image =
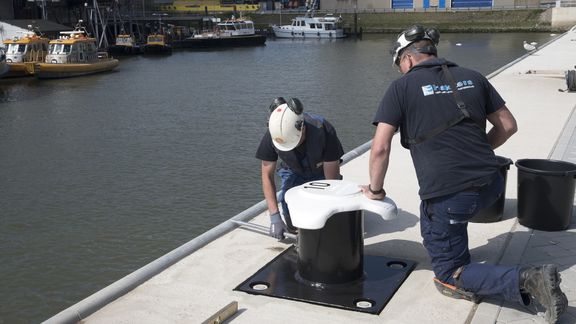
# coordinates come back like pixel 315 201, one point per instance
pixel 123 41
pixel 16 48
pixel 59 48
pixel 328 26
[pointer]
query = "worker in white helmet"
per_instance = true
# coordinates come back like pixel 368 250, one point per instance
pixel 308 148
pixel 442 111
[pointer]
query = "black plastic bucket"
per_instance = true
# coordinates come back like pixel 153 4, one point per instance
pixel 495 212
pixel 545 193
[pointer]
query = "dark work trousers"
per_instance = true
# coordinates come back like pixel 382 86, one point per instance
pixel 292 179
pixel 444 229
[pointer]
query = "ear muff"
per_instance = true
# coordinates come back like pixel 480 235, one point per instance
pixel 427 50
pixel 295 105
pixel 413 34
pixel 299 124
pixel 276 102
pixel 433 34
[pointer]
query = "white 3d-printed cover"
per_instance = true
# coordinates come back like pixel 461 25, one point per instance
pixel 312 203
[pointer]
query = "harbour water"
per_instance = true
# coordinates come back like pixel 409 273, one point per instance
pixel 100 175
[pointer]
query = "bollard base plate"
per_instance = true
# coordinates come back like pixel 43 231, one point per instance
pixel 370 294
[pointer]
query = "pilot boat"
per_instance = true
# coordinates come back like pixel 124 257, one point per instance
pixel 25 51
pixel 74 53
pixel 125 45
pixel 156 44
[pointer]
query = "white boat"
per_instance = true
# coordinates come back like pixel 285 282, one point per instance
pixel 229 33
pixel 309 26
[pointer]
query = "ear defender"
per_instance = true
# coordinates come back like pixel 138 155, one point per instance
pixel 434 35
pixel 276 102
pixel 295 105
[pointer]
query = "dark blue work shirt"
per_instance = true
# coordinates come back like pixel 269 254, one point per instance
pixel 459 157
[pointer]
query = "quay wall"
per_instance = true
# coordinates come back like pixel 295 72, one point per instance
pixel 563 17
pixel 528 20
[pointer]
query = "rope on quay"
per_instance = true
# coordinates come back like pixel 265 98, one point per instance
pixel 101 298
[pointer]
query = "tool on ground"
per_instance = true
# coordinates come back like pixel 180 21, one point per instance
pixel 261 229
pixel 223 314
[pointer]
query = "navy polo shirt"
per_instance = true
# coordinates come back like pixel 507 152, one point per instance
pixel 421 100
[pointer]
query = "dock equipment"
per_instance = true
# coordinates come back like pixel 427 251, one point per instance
pixel 328 267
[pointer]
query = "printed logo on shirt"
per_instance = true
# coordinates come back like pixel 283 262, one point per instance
pixel 432 89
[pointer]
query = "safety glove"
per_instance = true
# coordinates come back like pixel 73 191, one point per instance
pixel 277 226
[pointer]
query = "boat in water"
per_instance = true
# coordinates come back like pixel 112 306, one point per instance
pixel 229 33
pixel 74 53
pixel 125 45
pixel 156 44
pixel 24 52
pixel 309 26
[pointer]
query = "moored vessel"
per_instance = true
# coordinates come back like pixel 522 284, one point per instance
pixel 309 26
pixel 229 33
pixel 156 44
pixel 25 51
pixel 74 53
pixel 125 45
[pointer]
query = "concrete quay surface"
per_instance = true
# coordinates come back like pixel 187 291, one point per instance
pixel 196 287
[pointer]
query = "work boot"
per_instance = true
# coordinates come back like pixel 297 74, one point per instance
pixel 455 292
pixel 542 282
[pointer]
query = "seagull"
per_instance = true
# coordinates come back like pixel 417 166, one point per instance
pixel 529 47
pixel 458 44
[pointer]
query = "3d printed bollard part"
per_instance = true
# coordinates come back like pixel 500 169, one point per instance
pixel 329 267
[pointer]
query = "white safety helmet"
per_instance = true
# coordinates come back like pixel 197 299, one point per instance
pixel 285 125
pixel 414 34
